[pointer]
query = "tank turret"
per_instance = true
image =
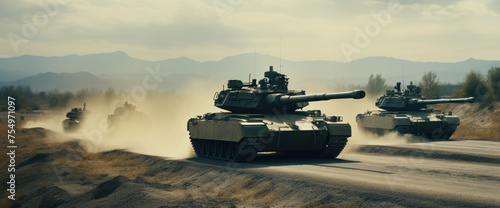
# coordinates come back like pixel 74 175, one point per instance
pixel 410 99
pixel 76 113
pixel 271 93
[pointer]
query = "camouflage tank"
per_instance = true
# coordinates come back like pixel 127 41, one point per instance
pixel 127 116
pixel 74 119
pixel 265 117
pixel 407 113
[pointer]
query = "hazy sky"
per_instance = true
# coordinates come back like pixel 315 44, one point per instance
pixel 208 30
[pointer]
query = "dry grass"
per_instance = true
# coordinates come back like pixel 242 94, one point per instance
pixel 250 192
pixel 234 189
pixel 30 141
pixel 100 164
pixel 320 203
pixel 473 131
pixel 6 202
pixel 477 121
pixel 27 140
pixel 466 130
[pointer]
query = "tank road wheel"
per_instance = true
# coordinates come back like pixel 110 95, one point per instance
pixel 201 147
pixel 234 149
pixel 206 150
pixel 220 148
pixel 227 146
pixel 334 147
pixel 213 148
pixel 242 153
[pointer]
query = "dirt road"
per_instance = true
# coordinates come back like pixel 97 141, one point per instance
pixel 445 173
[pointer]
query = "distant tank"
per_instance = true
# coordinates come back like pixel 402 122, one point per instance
pixel 407 113
pixel 265 117
pixel 127 116
pixel 74 119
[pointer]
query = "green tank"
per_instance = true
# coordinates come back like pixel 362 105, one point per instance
pixel 265 117
pixel 74 120
pixel 406 112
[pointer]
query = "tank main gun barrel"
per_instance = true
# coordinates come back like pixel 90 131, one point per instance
pixel 437 101
pixel 285 99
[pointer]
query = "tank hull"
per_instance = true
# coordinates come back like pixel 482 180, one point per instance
pixel 70 125
pixel 429 123
pixel 240 137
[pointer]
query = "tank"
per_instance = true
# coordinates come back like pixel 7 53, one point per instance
pixel 266 116
pixel 74 119
pixel 406 112
pixel 127 116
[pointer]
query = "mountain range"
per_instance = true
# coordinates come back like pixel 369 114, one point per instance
pixel 119 70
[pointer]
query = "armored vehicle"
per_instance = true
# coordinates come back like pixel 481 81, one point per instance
pixel 74 119
pixel 126 116
pixel 265 117
pixel 406 112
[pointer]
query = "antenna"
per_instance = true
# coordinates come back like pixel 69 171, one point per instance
pixel 402 74
pixel 254 59
pixel 280 53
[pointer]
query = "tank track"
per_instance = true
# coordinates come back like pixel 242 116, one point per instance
pixel 243 152
pixel 224 150
pixel 445 134
pixel 402 130
pixel 334 147
pixel 449 130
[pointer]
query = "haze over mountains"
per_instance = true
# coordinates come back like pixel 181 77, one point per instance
pixel 119 70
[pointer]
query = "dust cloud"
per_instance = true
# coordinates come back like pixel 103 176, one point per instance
pixel 167 135
pixel 50 119
pixel 164 133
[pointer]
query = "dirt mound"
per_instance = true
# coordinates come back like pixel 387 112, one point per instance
pixel 37 158
pixel 39 132
pixel 53 197
pixel 106 188
pixel 478 121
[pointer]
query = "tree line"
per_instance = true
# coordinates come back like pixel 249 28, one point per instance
pixel 483 88
pixel 28 99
